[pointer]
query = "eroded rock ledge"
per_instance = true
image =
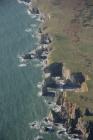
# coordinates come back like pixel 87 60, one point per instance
pixel 72 118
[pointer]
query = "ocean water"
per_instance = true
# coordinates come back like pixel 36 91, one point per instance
pixel 19 100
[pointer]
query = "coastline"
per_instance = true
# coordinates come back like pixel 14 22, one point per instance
pixel 66 105
pixel 86 126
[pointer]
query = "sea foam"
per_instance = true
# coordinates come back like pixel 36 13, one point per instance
pixel 28 30
pixel 23 2
pixel 38 65
pixel 38 137
pixel 40 93
pixel 35 125
pixel 22 65
pixel 39 85
pixel 33 25
pixel 21 60
pixel 28 12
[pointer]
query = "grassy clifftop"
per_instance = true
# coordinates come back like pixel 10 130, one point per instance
pixel 71 24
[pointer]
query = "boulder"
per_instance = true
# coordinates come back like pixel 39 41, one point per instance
pixel 35 10
pixel 27 56
pixel 45 39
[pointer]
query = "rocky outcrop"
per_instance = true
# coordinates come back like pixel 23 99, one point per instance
pixel 35 10
pixel 90 130
pixel 59 117
pixel 26 1
pixel 82 125
pixel 27 56
pixel 73 119
pixel 45 39
pixel 45 92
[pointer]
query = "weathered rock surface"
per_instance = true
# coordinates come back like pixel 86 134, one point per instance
pixel 73 119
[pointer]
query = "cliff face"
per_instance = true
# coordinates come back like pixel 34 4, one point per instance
pixel 72 41
pixel 86 127
pixel 75 122
pixel 83 127
pixel 90 128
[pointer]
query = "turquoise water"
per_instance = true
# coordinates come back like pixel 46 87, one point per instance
pixel 19 101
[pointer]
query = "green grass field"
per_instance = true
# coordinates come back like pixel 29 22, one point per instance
pixel 71 26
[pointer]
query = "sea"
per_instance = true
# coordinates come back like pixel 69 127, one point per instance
pixel 20 100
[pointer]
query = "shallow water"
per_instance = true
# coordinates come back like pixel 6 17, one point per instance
pixel 19 100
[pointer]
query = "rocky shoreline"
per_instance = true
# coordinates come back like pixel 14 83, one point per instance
pixel 66 118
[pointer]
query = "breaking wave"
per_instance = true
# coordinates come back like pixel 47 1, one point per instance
pixel 28 30
pixel 39 85
pixel 40 93
pixel 38 137
pixel 23 2
pixel 22 65
pixel 38 65
pixel 28 12
pixel 35 125
pixel 33 25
